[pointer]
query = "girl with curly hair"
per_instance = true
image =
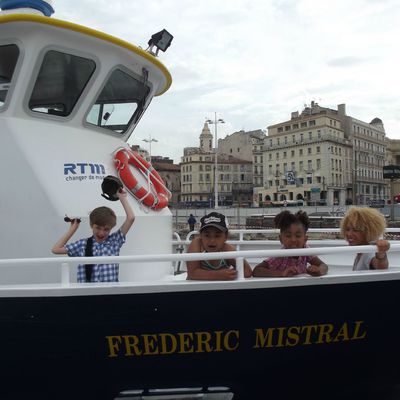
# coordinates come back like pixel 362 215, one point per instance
pixel 293 235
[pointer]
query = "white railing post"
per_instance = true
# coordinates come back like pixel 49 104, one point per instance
pixel 240 267
pixel 65 274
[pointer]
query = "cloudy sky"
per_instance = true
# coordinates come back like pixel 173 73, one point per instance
pixel 254 62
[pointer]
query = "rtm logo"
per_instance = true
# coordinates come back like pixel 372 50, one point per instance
pixel 84 168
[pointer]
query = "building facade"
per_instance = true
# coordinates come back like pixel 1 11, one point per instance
pixel 322 156
pixel 393 158
pixel 369 155
pixel 198 175
pixel 171 175
pixel 246 146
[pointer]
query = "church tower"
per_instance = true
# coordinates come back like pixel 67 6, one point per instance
pixel 206 139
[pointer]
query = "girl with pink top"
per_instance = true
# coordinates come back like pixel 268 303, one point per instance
pixel 293 235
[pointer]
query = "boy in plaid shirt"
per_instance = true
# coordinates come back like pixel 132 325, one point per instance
pixel 102 243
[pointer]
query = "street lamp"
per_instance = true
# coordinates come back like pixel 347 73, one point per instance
pixel 216 122
pixel 149 140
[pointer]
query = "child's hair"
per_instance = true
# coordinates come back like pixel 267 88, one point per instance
pixel 368 220
pixel 103 216
pixel 284 219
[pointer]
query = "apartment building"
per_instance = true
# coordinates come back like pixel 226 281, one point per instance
pixel 171 175
pixel 369 155
pixel 246 145
pixel 393 158
pixel 323 156
pixel 234 181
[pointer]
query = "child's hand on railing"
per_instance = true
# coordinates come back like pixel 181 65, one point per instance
pixel 317 270
pixel 227 274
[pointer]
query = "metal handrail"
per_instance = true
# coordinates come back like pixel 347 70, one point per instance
pixel 238 255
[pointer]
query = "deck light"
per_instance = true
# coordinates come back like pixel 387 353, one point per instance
pixel 161 40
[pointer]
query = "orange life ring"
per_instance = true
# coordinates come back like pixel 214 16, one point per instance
pixel 156 196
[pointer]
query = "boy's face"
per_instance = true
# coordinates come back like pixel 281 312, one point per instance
pixel 100 232
pixel 213 239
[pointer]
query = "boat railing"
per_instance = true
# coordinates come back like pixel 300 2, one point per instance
pixel 243 236
pixel 67 262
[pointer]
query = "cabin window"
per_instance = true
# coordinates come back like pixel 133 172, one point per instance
pixel 121 101
pixel 60 82
pixel 8 60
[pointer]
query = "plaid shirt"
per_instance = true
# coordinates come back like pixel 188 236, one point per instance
pixel 101 272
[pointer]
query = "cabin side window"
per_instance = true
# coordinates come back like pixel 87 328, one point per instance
pixel 61 80
pixel 121 101
pixel 8 60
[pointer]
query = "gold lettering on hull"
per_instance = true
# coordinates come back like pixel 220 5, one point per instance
pixel 308 335
pixel 169 343
pixel 197 342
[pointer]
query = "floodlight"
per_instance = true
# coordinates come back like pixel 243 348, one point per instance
pixel 161 40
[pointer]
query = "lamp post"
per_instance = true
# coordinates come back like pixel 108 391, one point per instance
pixel 216 122
pixel 149 140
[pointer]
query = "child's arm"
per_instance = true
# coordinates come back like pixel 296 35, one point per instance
pixel 317 267
pixel 247 269
pixel 194 270
pixel 130 215
pixel 263 270
pixel 59 247
pixel 380 261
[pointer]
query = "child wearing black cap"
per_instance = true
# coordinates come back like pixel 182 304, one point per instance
pixel 213 236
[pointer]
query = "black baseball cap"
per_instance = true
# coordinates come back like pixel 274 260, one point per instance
pixel 216 220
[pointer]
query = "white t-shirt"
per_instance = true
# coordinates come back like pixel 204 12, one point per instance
pixel 363 261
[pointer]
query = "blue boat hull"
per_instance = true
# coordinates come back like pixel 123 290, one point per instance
pixel 340 339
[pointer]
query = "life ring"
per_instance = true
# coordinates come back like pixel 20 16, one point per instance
pixel 156 195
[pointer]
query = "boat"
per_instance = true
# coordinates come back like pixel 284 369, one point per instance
pixel 70 98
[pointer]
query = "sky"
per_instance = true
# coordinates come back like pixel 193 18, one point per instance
pixel 254 62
